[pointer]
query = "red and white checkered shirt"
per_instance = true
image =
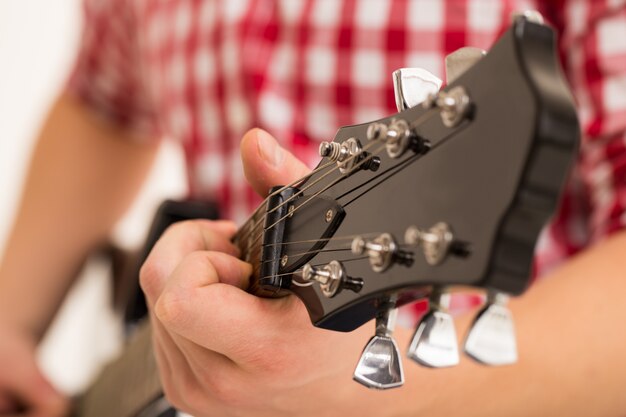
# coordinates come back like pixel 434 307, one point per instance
pixel 205 71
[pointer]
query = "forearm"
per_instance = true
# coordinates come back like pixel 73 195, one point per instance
pixel 83 175
pixel 571 345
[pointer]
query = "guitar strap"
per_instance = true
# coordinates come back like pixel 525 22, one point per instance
pixel 126 385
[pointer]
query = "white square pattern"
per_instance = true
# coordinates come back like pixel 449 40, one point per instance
pixel 425 14
pixel 320 65
pixel 484 15
pixel 615 93
pixel 368 68
pixel 372 14
pixel 612 35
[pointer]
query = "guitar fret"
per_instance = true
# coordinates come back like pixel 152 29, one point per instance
pixel 247 237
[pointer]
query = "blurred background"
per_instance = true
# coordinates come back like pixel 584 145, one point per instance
pixel 38 42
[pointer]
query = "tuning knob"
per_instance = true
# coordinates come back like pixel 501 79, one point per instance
pixel 380 365
pixel 398 137
pixel 332 278
pixel 434 343
pixel 349 155
pixel 491 339
pixel 383 252
pixel 412 86
pixel 435 242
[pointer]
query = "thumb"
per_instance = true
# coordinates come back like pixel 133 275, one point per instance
pixel 267 164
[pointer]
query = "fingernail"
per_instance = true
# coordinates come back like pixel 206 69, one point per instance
pixel 269 149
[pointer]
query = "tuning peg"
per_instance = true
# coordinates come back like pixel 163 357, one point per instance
pixel 491 339
pixel 383 251
pixel 434 343
pixel 332 278
pixel 435 242
pixel 349 155
pixel 380 365
pixel 460 61
pixel 413 85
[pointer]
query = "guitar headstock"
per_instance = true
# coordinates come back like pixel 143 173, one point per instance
pixel 451 192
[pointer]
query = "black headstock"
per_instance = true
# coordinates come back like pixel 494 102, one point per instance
pixel 453 192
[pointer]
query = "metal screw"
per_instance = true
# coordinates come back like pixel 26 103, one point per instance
pixel 291 210
pixel 329 215
pixel 284 260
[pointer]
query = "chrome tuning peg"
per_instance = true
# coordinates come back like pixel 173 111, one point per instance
pixel 383 251
pixel 434 343
pixel 380 365
pixel 435 242
pixel 332 278
pixel 460 61
pixel 455 105
pixel 412 86
pixel 491 339
pixel 349 155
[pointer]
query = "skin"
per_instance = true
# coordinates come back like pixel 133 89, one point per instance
pixel 83 175
pixel 223 352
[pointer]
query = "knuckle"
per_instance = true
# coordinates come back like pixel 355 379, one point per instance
pixel 150 276
pixel 169 308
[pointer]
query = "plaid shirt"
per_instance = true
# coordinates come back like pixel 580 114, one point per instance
pixel 205 71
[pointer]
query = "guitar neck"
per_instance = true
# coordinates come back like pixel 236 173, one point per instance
pixel 128 384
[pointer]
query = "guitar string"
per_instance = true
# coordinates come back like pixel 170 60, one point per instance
pixel 394 167
pixel 252 229
pixel 399 245
pixel 360 258
pixel 406 161
pixel 333 183
pixel 309 252
pixel 399 167
pixel 239 235
pixel 243 229
pixel 297 194
pixel 439 143
pixel 313 196
pixel 415 123
pixel 349 237
pixel 336 167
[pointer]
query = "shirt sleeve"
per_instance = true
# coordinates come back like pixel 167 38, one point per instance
pixel 108 75
pixel 594 39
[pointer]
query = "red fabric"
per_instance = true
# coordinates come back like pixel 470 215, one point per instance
pixel 204 71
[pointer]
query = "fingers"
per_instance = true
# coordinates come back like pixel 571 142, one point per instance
pixel 222 317
pixel 183 300
pixel 176 243
pixel 266 164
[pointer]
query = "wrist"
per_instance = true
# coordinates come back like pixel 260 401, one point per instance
pixel 13 327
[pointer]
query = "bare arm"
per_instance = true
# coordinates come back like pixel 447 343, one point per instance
pixel 223 352
pixel 82 177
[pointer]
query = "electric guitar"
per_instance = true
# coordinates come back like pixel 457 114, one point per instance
pixel 452 190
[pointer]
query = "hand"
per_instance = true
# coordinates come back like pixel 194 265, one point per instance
pixel 224 352
pixel 24 391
